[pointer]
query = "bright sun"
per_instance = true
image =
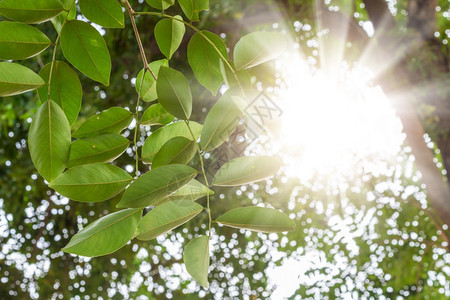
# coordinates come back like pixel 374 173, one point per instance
pixel 330 123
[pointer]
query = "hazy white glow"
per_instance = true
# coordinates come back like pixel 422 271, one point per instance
pixel 329 125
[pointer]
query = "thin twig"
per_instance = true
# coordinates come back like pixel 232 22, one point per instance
pixel 138 38
pixel 204 177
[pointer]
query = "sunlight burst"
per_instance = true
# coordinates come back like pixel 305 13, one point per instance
pixel 329 124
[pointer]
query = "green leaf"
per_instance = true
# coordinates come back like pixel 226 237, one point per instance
pixel 156 115
pixel 158 138
pixel 157 3
pixel 65 88
pixel 192 191
pixel 178 150
pixel 49 140
pixel 174 93
pixel 30 11
pixel 16 79
pixel 229 76
pixel 196 259
pixel 105 235
pixel 91 183
pixel 106 13
pixel 58 21
pixel 68 4
pixel 246 169
pixel 102 148
pixel 85 48
pixel 255 218
pixel 166 217
pixel 169 34
pixel 148 92
pixel 21 41
pixel 156 185
pixel 205 51
pixel 201 5
pixel 221 121
pixel 112 120
pixel 191 8
pixel 258 47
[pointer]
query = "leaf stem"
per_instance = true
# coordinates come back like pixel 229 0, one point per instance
pixel 204 177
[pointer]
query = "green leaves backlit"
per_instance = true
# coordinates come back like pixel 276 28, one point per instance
pixel 85 48
pixel 192 191
pixel 255 218
pixel 157 139
pixel 246 169
pixel 106 235
pixel 156 185
pixel 205 50
pixel 169 189
pixel 178 150
pixel 221 121
pixel 112 120
pixel 156 115
pixel 258 47
pixel 21 41
pixel 107 13
pixel 160 4
pixel 169 34
pixel 91 183
pixel 65 88
pixel 192 8
pixel 49 140
pixel 102 148
pixel 196 259
pixel 174 93
pixel 148 90
pixel 16 79
pixel 30 11
pixel 166 217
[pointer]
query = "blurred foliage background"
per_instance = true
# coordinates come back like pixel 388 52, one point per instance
pixel 367 235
